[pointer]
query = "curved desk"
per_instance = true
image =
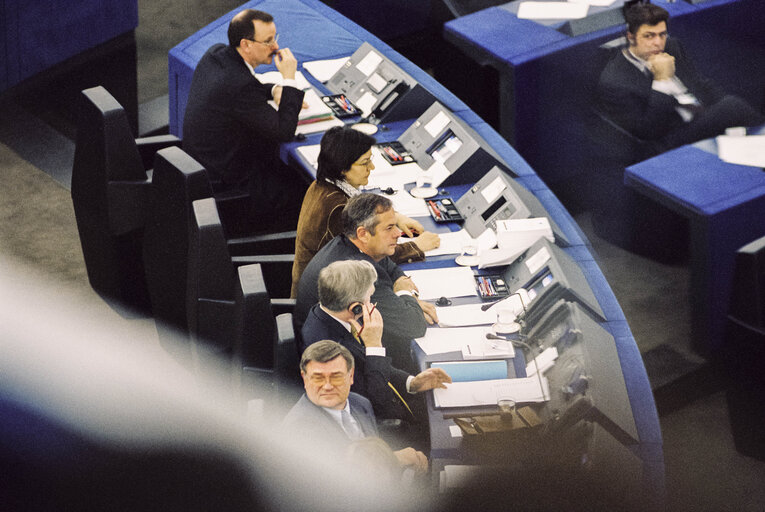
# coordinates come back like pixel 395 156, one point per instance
pixel 547 80
pixel 299 21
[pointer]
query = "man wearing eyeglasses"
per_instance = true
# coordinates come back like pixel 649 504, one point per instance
pixel 231 129
pixel 328 413
pixel 652 90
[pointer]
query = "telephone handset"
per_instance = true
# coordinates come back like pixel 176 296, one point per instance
pixel 390 99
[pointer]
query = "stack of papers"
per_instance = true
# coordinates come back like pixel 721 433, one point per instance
pixel 742 150
pixel 452 243
pixel 489 392
pixel 470 371
pixel 444 282
pixel 442 340
pixel 323 70
pixel 465 315
pixel 275 77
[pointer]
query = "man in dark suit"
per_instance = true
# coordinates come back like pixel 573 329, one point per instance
pixel 346 314
pixel 230 128
pixel 370 234
pixel 328 413
pixel 652 90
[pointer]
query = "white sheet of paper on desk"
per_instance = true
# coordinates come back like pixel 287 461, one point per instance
pixel 275 77
pixel 320 126
pixel 596 3
pixel 742 150
pixel 310 153
pixel 488 392
pixel 439 340
pixel 444 282
pixel 407 205
pixel 552 10
pixel 464 315
pixel 452 243
pixel 544 362
pixel 315 108
pixel 487 349
pixel 323 70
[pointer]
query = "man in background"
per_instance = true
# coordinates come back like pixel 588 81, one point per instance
pixel 652 90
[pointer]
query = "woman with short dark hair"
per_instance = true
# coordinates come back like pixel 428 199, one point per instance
pixel 344 164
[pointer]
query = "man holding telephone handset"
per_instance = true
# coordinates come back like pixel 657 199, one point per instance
pixel 230 128
pixel 346 314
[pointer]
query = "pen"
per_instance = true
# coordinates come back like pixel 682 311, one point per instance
pixel 436 213
pixel 370 314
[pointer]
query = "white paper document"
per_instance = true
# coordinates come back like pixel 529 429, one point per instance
pixel 310 153
pixel 487 349
pixel 440 341
pixel 410 206
pixel 316 107
pixel 275 77
pixel 444 282
pixel 544 361
pixel 323 70
pixel 742 150
pixel 552 10
pixel 465 315
pixel 386 175
pixel 488 392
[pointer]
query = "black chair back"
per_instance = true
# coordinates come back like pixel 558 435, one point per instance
pixel 109 192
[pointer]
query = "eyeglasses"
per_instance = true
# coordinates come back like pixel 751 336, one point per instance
pixel 272 42
pixel 363 163
pixel 336 379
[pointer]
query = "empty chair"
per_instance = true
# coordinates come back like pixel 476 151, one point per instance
pixel 110 187
pixel 178 181
pixel 230 314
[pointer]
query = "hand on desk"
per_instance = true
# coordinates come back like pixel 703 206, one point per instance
pixel 429 310
pixel 409 457
pixel 405 283
pixel 427 241
pixel 410 227
pixel 431 378
pixel 277 94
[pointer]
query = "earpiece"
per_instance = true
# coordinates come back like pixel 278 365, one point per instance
pixel 357 309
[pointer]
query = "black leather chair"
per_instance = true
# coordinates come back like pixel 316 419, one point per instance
pixel 230 312
pixel 110 185
pixel 179 180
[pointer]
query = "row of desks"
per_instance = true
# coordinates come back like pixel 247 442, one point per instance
pixel 300 22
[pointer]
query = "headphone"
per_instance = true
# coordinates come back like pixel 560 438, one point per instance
pixel 357 309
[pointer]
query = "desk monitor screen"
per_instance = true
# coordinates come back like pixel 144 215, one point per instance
pixel 440 136
pixel 587 371
pixel 497 196
pixel 549 274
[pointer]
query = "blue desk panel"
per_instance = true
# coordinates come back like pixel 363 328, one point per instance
pixel 725 204
pixel 37 35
